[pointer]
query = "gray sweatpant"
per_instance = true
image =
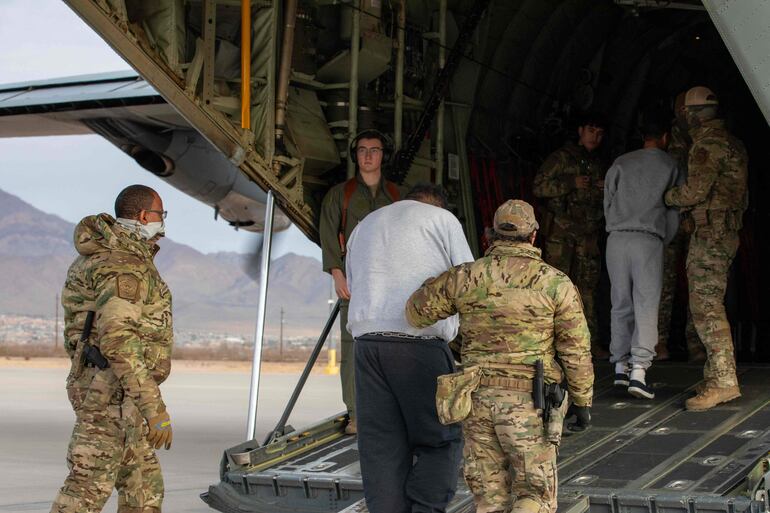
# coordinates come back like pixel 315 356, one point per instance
pixel 635 266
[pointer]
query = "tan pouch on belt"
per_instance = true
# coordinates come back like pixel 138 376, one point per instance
pixel 453 394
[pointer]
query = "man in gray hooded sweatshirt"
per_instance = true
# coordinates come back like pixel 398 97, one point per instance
pixel 409 460
pixel 639 224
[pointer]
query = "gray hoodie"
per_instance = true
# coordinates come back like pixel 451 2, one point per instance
pixel 390 254
pixel 633 193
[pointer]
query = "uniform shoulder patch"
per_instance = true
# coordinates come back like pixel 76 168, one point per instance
pixel 701 156
pixel 128 287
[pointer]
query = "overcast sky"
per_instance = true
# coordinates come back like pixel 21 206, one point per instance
pixel 74 176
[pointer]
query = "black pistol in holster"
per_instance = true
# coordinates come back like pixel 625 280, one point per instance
pixel 546 396
pixel 554 397
pixel 91 353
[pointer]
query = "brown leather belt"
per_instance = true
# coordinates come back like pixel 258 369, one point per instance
pixel 521 385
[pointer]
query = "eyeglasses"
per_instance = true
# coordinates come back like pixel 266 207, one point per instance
pixel 162 213
pixel 372 152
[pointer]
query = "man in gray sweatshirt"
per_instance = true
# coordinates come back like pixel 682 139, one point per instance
pixel 409 460
pixel 639 224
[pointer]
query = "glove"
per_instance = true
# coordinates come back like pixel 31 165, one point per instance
pixel 160 433
pixel 583 418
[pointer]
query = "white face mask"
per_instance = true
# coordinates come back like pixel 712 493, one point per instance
pixel 146 231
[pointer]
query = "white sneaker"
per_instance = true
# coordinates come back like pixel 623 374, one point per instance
pixel 621 374
pixel 637 386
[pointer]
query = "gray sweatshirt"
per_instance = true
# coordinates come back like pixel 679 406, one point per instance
pixel 390 254
pixel 633 193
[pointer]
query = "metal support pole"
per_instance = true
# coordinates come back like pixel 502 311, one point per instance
pixel 398 101
pixel 460 122
pixel 264 270
pixel 246 64
pixel 355 44
pixel 209 47
pixel 440 114
pixel 278 430
pixel 56 323
pixel 280 338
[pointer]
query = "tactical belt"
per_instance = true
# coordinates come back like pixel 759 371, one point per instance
pixel 520 385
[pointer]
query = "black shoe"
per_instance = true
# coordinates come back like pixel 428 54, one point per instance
pixel 621 380
pixel 640 390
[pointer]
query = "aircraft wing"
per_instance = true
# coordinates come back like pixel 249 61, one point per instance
pixel 59 106
pixel 127 111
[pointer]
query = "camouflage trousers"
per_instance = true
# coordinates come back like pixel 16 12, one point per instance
pixel 708 262
pixel 347 362
pixel 509 465
pixel 672 255
pixel 578 257
pixel 109 449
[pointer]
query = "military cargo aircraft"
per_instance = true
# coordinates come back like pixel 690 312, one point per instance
pixel 245 103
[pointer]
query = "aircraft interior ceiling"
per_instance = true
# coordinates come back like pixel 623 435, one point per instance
pixel 546 61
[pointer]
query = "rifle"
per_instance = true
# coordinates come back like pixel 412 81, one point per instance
pixel 92 353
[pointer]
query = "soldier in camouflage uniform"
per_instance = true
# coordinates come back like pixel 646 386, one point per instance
pixel 120 415
pixel 716 195
pixel 678 148
pixel 571 180
pixel 514 310
pixel 344 206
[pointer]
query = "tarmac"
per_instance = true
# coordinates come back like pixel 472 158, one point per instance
pixel 208 405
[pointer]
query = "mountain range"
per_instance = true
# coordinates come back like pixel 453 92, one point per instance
pixel 211 292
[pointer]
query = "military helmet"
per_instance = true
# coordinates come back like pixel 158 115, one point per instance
pixel 700 95
pixel 515 217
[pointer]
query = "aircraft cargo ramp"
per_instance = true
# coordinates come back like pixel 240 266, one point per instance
pixel 639 456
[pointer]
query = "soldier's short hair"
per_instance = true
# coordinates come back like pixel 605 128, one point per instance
pixel 593 118
pixel 429 193
pixel 132 200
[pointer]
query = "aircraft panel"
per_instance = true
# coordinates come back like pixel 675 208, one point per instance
pixel 55 94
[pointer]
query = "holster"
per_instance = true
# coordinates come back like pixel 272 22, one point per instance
pixel 555 409
pixel 453 394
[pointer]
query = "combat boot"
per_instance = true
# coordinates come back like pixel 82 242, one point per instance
pixel 703 385
pixel 710 396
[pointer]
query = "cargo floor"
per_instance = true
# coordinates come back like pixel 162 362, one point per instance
pixel 635 448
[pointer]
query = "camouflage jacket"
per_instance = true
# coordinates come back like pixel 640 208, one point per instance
pixel 115 276
pixel 555 181
pixel 514 309
pixel 679 147
pixel 362 203
pixel 716 190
